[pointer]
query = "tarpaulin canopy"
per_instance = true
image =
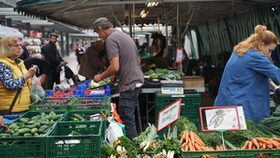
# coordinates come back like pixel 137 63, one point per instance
pixel 82 13
pixel 9 31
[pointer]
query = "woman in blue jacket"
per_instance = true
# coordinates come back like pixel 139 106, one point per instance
pixel 245 81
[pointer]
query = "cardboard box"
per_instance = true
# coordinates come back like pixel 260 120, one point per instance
pixel 193 82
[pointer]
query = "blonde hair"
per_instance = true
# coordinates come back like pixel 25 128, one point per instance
pixel 5 46
pixel 261 37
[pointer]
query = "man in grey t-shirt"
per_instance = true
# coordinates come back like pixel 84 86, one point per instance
pixel 125 67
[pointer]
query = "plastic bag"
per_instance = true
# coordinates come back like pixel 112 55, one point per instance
pixel 37 92
pixel 113 132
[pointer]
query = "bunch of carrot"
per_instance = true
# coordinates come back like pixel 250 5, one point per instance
pixel 221 147
pixel 262 143
pixel 190 141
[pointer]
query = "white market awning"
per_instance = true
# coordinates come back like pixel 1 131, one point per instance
pixel 9 31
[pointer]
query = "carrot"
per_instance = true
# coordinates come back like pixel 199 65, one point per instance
pixel 270 146
pixel 183 137
pixel 192 137
pixel 187 136
pixel 245 145
pixel 276 139
pixel 264 146
pixel 250 145
pixel 203 148
pixel 186 147
pixel 274 143
pixel 218 148
pixel 255 142
pixel 260 144
pixel 224 147
pixel 198 140
pixel 191 148
pixel 197 147
pixel 261 139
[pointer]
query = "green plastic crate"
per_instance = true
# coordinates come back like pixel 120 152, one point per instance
pixel 53 104
pixel 86 115
pixel 189 106
pixel 88 103
pixel 87 144
pixel 24 147
pixel 233 153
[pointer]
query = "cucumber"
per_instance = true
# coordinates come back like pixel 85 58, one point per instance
pixel 56 117
pixel 24 130
pixel 31 126
pixel 78 116
pixel 31 122
pixel 44 122
pixel 16 134
pixel 35 117
pixel 13 126
pixel 43 115
pixel 52 113
pixel 51 122
pixel 27 134
pixel 34 130
pixel 74 119
pixel 24 120
pixel 43 128
pixel 10 131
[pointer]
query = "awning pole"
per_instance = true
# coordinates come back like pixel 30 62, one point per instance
pixel 130 20
pixel 166 34
pixel 178 26
pixel 133 20
pixel 180 68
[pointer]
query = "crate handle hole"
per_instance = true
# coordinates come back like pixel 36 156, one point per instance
pixel 263 154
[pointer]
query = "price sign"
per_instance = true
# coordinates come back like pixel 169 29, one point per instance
pixel 168 115
pixel 220 118
pixel 172 90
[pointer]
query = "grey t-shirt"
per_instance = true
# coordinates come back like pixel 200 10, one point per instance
pixel 119 44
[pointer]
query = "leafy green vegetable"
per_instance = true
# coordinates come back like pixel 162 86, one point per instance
pixel 163 74
pixel 184 124
pixel 211 139
pixel 169 143
pixel 107 150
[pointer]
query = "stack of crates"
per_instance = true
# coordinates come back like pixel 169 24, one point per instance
pixel 189 106
pixel 28 146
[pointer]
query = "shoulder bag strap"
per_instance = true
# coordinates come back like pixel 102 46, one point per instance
pixel 14 101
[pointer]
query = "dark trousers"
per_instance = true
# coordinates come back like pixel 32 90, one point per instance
pixel 126 108
pixel 52 77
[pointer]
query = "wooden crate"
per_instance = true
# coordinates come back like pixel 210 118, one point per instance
pixel 193 82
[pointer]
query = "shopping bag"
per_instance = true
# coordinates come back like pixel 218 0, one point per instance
pixel 114 131
pixel 37 92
